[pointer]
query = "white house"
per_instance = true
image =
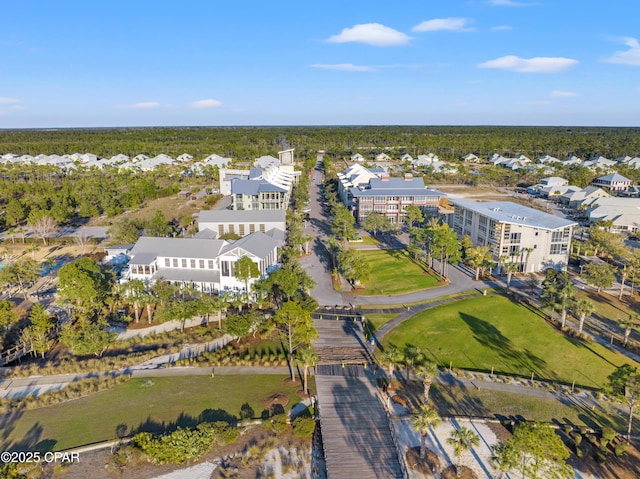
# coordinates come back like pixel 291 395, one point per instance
pixel 613 182
pixel 206 264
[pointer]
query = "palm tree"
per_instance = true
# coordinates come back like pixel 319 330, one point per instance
pixel 391 357
pixel 306 358
pixel 462 440
pixel 628 325
pixel 582 308
pixel 503 459
pixel 426 417
pixel 134 292
pixel 410 356
pixel 509 267
pixel 427 371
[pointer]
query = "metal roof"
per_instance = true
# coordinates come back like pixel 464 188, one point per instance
pixel 513 213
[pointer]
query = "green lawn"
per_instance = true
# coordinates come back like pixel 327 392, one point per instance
pixel 493 332
pixel 392 272
pixel 376 320
pixel 460 401
pixel 150 404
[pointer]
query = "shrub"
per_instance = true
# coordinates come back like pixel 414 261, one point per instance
pixel 620 449
pixel 608 434
pixel 577 439
pixel 304 426
pixel 184 444
pixel 278 423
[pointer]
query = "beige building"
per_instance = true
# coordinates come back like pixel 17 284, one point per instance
pixel 532 238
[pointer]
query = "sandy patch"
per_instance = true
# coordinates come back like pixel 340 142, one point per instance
pixel 200 471
pixel 478 459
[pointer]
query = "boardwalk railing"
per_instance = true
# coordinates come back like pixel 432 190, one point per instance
pixel 401 455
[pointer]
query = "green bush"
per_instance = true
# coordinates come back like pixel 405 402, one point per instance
pixel 620 449
pixel 278 423
pixel 577 439
pixel 304 426
pixel 184 444
pixel 608 434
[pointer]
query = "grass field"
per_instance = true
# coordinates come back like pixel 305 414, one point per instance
pixel 152 404
pixel 493 332
pixel 392 272
pixel 375 320
pixel 460 401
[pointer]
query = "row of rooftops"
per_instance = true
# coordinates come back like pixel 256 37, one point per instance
pixel 140 162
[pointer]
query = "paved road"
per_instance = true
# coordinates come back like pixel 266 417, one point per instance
pixel 317 264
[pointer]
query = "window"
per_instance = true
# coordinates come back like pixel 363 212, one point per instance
pixel 232 228
pixel 220 230
pixel 192 264
pixel 515 237
pixel 262 228
pixel 241 230
pixel 175 262
pixel 252 228
pixel 210 264
pixel 201 264
pixel 514 250
pixel 555 249
pixel 184 263
pixel 167 263
pixel 556 237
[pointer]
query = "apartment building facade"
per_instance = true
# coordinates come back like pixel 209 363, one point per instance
pixel 531 238
pixel 388 196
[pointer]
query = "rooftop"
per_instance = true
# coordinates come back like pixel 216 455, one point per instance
pixel 230 216
pixel 513 213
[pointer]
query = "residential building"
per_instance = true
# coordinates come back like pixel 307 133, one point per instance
pixel 388 196
pixel 242 222
pixel 575 198
pixel 206 264
pixel 533 239
pixel 613 182
pixel 259 188
pixel 553 181
pixel 623 213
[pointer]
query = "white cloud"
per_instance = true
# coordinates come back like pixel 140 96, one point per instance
pixel 208 103
pixel 438 24
pixel 530 65
pixel 627 57
pixel 345 67
pixel 562 94
pixel 143 105
pixel 501 27
pixel 374 34
pixel 9 101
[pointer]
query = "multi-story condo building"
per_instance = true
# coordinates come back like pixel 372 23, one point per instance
pixel 264 189
pixel 365 191
pixel 533 239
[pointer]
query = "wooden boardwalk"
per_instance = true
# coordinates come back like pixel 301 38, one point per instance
pixel 340 342
pixel 356 436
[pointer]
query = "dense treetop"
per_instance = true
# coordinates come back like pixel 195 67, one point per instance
pixel 245 143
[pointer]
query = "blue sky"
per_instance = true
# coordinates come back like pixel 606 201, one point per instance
pixel 250 62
